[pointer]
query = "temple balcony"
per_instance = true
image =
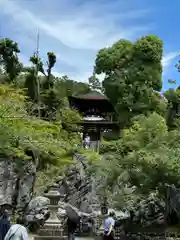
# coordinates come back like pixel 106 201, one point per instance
pixel 95 117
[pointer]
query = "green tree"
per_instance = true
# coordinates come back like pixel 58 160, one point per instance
pixel 132 74
pixel 178 65
pixel 173 97
pixel 55 99
pixel 173 113
pixel 32 82
pixel 67 87
pixel 143 160
pixel 40 89
pixel 94 82
pixel 50 63
pixel 20 132
pixel 9 61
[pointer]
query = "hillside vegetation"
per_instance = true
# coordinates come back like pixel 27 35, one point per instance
pixel 36 119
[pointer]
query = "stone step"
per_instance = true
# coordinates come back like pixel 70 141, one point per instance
pixel 52 232
pixel 53 227
pixel 50 238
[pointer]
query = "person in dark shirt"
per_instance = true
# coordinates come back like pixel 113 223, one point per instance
pixel 71 225
pixel 4 224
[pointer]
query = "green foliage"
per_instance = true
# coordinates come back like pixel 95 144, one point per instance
pixel 52 141
pixel 69 118
pixel 94 82
pixel 132 73
pixel 31 84
pixel 92 157
pixel 173 114
pixel 46 177
pixel 37 64
pixel 67 87
pixel 51 103
pixel 20 132
pixel 145 159
pixel 50 63
pixel 178 66
pixel 9 61
pixel 173 99
pixel 48 93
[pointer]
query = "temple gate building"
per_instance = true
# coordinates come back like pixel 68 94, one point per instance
pixel 98 115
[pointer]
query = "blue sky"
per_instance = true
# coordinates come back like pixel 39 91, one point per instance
pixel 76 29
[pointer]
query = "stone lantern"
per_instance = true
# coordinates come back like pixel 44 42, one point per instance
pixel 53 227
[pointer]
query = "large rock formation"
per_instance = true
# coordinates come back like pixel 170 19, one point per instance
pixel 148 213
pixel 37 213
pixel 16 192
pixel 8 178
pixel 16 184
pixel 77 187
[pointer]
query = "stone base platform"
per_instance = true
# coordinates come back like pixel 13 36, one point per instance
pixel 50 238
pixel 49 232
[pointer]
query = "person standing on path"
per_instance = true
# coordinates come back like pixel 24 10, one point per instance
pixel 72 225
pixel 109 227
pixel 17 231
pixel 87 141
pixel 72 221
pixel 4 224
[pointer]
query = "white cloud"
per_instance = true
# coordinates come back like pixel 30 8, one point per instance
pixel 168 58
pixel 83 78
pixel 75 34
pixel 81 30
pixel 167 62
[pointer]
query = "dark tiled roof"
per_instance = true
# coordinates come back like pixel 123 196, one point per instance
pixel 93 95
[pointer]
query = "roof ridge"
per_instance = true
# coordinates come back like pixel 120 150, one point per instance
pixel 92 95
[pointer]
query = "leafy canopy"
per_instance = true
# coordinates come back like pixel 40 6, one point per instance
pixel 21 132
pixel 145 159
pixel 133 71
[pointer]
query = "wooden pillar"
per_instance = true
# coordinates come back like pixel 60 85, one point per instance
pixel 98 137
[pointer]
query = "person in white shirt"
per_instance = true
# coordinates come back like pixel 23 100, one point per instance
pixel 87 141
pixel 108 227
pixel 17 232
